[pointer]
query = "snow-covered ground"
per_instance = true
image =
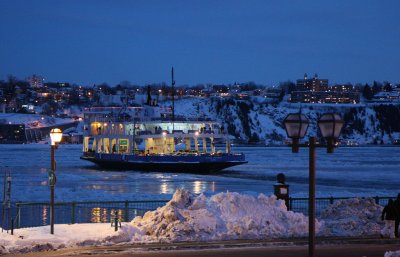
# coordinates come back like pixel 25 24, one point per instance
pixel 187 217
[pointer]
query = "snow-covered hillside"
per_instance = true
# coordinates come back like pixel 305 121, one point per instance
pixel 257 121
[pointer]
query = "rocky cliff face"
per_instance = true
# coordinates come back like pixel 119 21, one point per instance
pixel 257 121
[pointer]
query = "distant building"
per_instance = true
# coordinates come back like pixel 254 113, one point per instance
pixel 220 89
pixel 312 84
pixel 12 134
pixel 35 81
pixel 273 92
pixel 325 97
pixel 242 96
pixel 393 96
pixel 315 90
pixel 110 100
pixel 342 88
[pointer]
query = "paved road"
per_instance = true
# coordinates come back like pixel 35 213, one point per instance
pixel 297 248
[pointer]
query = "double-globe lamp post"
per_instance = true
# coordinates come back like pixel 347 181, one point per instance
pixel 296 126
pixel 55 136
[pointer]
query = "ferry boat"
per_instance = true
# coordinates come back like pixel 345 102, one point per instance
pixel 147 138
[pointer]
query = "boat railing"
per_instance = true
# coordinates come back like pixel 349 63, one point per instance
pixel 89 153
pixel 112 117
pixel 143 132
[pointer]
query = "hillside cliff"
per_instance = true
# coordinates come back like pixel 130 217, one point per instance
pixel 256 121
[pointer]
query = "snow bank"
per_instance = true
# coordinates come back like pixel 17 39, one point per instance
pixel 223 216
pixel 40 239
pixel 352 217
pixel 392 254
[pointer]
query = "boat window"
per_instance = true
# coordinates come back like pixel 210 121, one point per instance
pixel 123 145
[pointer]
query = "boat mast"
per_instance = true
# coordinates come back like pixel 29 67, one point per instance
pixel 173 99
pixel 133 136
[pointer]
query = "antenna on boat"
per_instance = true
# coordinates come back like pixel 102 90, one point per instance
pixel 148 95
pixel 173 96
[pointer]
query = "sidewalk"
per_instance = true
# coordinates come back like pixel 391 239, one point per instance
pixel 326 247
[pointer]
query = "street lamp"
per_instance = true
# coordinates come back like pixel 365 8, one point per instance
pixel 55 136
pixel 296 126
pixel 330 125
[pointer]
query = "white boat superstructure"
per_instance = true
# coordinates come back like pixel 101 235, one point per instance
pixel 146 138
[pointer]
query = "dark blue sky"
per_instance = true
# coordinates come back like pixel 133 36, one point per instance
pixel 264 41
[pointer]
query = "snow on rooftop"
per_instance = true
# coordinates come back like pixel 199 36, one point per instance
pixel 31 120
pixel 188 217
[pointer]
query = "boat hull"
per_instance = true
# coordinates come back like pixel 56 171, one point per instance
pixel 195 164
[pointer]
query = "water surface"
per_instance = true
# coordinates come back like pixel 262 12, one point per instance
pixel 357 171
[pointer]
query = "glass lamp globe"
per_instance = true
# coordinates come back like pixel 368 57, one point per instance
pixel 56 136
pixel 296 125
pixel 330 125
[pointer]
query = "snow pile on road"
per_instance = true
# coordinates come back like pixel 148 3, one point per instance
pixel 223 216
pixel 392 254
pixel 352 217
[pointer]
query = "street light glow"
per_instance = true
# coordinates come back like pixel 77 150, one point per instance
pixel 56 136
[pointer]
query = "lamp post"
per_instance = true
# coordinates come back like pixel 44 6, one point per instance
pixel 55 136
pixel 296 126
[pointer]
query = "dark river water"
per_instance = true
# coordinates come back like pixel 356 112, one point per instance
pixel 357 171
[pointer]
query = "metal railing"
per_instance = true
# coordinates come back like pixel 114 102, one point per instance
pixel 301 204
pixel 33 214
pixel 38 214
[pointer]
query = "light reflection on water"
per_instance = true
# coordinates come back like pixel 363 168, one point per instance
pixel 164 188
pixel 213 186
pixel 197 187
pixel 44 215
pixel 110 188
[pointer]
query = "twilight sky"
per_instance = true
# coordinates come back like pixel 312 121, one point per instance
pixel 94 41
